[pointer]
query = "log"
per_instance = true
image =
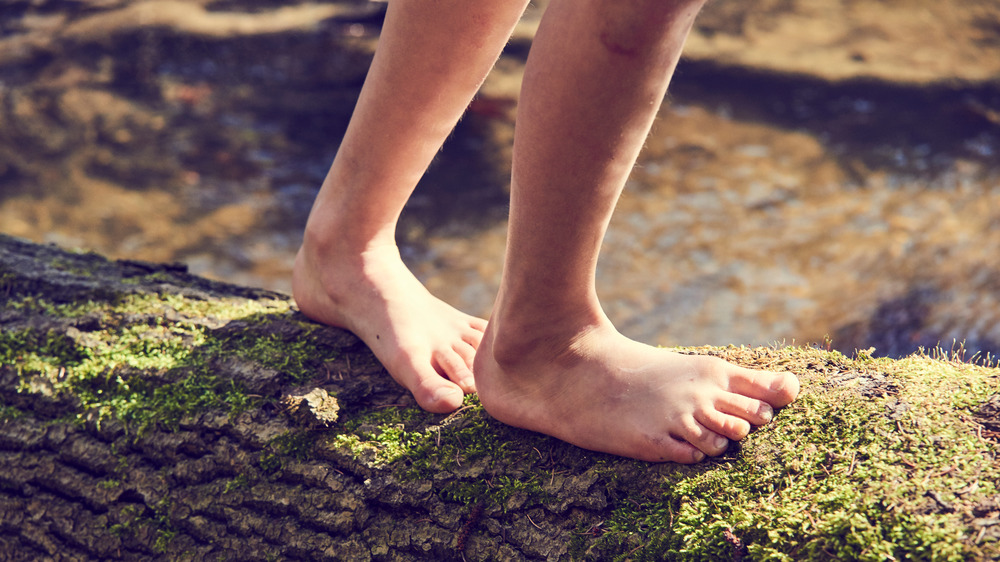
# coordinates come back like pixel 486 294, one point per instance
pixel 146 413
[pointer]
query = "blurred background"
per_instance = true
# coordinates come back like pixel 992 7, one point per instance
pixel 822 171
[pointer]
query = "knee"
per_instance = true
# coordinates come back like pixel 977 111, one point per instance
pixel 636 24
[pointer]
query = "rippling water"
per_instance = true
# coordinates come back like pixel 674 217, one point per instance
pixel 765 208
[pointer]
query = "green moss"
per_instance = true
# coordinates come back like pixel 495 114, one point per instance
pixel 150 357
pixel 157 277
pixel 7 280
pixel 849 471
pixel 240 482
pixel 842 473
pixel 382 435
pixel 297 359
pixel 507 466
pixel 71 267
pixel 110 483
pixel 165 531
pixel 269 462
pixel 837 475
pixel 128 520
pixel 222 309
pixel 295 444
pixel 133 518
pixel 9 413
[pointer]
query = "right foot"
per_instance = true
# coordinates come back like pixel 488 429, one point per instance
pixel 425 344
pixel 599 390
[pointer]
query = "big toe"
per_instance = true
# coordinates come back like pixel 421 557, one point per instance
pixel 784 388
pixel 777 389
pixel 438 395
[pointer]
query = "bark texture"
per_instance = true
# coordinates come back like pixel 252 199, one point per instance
pixel 216 485
pixel 325 458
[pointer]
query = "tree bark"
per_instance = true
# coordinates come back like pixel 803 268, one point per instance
pixel 221 485
pixel 326 458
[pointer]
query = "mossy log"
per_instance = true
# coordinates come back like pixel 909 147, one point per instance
pixel 146 413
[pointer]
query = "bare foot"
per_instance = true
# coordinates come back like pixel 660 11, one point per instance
pixel 425 344
pixel 599 390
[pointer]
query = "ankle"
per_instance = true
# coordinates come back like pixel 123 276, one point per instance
pixel 333 251
pixel 334 266
pixel 513 350
pixel 327 233
pixel 521 339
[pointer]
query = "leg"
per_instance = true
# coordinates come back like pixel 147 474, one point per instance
pixel 550 360
pixel 430 61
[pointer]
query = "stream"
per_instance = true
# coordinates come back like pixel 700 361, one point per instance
pixel 767 207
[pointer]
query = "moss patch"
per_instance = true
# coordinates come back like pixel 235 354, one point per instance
pixel 150 358
pixel 877 460
pixel 485 461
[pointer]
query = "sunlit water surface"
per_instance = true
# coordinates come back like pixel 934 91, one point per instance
pixel 763 209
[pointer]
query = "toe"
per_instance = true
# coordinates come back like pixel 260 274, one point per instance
pixel 438 395
pixel 466 352
pixel 432 391
pixel 669 449
pixel 706 440
pixel 777 389
pixel 478 324
pixel 456 367
pixel 474 336
pixel 788 385
pixel 756 412
pixel 725 425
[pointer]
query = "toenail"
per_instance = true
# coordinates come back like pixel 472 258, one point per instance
pixel 698 456
pixel 766 412
pixel 443 394
pixel 721 442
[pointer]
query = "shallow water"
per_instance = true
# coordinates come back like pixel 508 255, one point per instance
pixel 741 231
pixel 766 208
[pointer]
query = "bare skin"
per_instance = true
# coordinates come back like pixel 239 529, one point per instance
pixel 425 344
pixel 348 272
pixel 549 360
pixel 599 390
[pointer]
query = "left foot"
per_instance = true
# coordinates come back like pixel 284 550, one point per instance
pixel 425 344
